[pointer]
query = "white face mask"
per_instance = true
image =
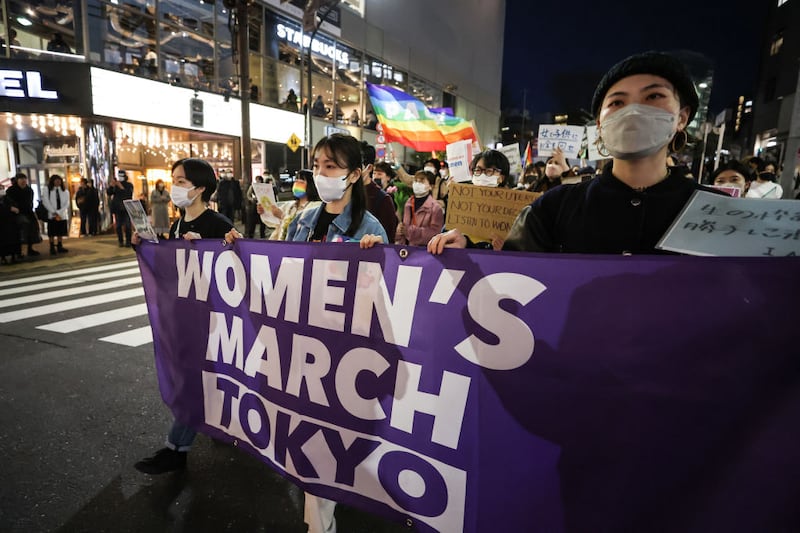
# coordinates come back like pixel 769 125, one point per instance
pixel 430 169
pixel 637 131
pixel 420 189
pixel 331 189
pixel 484 180
pixel 180 196
pixel 444 173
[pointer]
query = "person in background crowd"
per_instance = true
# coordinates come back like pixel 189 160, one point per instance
pixel 21 197
pixel 354 118
pixel 118 191
pixel 58 44
pixel 383 174
pixel 379 203
pixel 253 218
pixel 193 183
pixel 630 206
pixel 529 177
pixel 56 199
pixel 159 200
pixel 765 186
pixel 92 207
pixel 422 217
pixel 9 230
pixel 229 195
pixel 305 195
pixel 81 201
pixel 144 201
pixel 491 169
pixel 370 120
pixel 555 167
pixel 318 108
pixel 732 174
pixel 291 101
pixel 440 189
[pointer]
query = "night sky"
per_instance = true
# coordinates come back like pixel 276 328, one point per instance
pixel 550 44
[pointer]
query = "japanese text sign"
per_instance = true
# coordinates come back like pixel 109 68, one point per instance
pixel 568 138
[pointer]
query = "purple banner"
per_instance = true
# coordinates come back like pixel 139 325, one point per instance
pixel 485 391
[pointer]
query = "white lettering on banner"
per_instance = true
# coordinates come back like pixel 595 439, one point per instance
pixel 311 372
pixel 325 271
pixel 11 85
pixel 318 47
pixel 403 479
pixel 351 366
pixel 230 261
pixel 516 339
pixel 190 273
pixel 290 274
pixel 447 408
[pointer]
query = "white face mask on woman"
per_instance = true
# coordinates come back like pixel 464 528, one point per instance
pixel 420 189
pixel 331 189
pixel 180 196
pixel 637 131
pixel 482 180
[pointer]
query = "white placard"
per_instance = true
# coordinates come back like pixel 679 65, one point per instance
pixel 568 138
pixel 140 221
pixel 591 139
pixel 514 160
pixel 717 225
pixel 265 195
pixel 459 156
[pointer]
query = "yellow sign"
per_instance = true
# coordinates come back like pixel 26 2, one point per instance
pixel 293 143
pixel 485 212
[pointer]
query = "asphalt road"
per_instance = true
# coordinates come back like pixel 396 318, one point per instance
pixel 79 405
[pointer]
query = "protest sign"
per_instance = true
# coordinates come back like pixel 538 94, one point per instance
pixel 266 197
pixel 491 391
pixel 713 224
pixel 459 156
pixel 591 144
pixel 568 138
pixel 511 152
pixel 485 212
pixel 140 220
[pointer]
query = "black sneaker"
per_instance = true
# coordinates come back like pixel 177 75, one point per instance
pixel 164 460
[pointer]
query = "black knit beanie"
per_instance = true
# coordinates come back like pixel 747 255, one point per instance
pixel 656 63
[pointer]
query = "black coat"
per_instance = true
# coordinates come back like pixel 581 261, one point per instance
pixel 602 216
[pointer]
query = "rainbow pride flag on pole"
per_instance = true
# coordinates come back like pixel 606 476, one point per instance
pixel 408 121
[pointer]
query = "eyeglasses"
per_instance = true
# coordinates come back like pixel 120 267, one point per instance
pixel 486 171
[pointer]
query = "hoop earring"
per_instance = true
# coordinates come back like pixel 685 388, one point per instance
pixel 684 141
pixel 601 147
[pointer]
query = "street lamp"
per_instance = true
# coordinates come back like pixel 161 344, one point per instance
pixel 240 30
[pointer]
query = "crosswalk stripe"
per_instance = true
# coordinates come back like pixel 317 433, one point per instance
pixel 41 310
pixel 96 319
pixel 67 282
pixel 52 295
pixel 133 338
pixel 68 273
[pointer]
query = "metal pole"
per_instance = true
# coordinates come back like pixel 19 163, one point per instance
pixel 308 82
pixel 244 91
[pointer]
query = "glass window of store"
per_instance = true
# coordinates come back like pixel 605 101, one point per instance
pixel 349 85
pixel 47 29
pixel 427 93
pixel 122 36
pixel 226 73
pixel 186 57
pixel 256 28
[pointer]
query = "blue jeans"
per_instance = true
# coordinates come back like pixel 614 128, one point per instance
pixel 180 437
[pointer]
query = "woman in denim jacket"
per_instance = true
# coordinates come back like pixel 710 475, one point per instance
pixel 343 215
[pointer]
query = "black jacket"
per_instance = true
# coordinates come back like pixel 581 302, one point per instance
pixel 602 216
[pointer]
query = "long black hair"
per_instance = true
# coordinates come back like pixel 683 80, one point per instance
pixel 346 151
pixel 51 182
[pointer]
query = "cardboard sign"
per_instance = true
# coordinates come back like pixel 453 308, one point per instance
pixel 483 212
pixel 459 156
pixel 140 220
pixel 568 138
pixel 712 224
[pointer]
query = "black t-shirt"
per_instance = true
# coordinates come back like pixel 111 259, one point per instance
pixel 321 229
pixel 210 225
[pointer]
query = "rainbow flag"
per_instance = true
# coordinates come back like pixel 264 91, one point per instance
pixel 408 121
pixel 527 156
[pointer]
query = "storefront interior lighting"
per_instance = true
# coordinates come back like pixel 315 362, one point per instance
pixel 24 22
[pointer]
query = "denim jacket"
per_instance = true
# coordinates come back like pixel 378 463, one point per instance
pixel 302 227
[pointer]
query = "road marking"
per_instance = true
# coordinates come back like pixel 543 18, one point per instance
pixel 31 312
pixel 132 338
pixel 96 319
pixel 52 295
pixel 68 273
pixel 67 282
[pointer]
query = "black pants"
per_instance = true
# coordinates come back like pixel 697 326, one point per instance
pixel 122 221
pixel 253 220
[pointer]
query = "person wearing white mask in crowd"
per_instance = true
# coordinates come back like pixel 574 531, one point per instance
pixel 732 176
pixel 193 183
pixel 491 169
pixel 422 216
pixel 642 106
pixel 343 215
pixel 765 186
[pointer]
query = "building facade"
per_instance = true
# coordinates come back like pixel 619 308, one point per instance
pixel 94 86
